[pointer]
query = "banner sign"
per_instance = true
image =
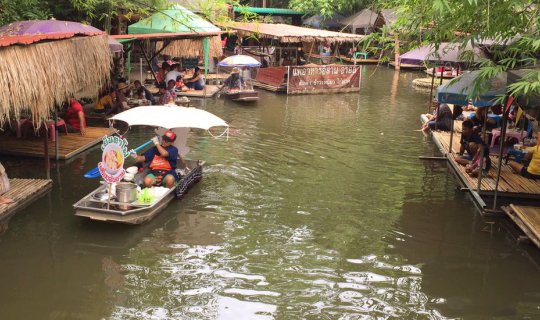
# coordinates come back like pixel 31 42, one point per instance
pixel 273 76
pixel 320 79
pixel 114 152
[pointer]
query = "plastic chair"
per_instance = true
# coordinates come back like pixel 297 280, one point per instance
pixel 363 54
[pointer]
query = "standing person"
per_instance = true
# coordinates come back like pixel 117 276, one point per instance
pixel 162 161
pixel 531 171
pixel 75 118
pixel 197 81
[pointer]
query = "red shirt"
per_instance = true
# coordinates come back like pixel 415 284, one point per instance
pixel 72 115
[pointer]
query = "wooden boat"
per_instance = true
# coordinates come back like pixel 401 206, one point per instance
pixel 242 96
pixel 94 208
pixel 97 205
pixel 408 66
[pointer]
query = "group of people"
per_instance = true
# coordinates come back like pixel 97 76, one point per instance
pixel 170 71
pixel 470 154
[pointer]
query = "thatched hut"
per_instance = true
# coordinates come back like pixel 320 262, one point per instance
pixel 38 75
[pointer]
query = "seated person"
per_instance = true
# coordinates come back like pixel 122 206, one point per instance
pixel 166 96
pixel 105 103
pixel 4 186
pixel 196 81
pixel 478 118
pixel 161 160
pixel 474 166
pixel 531 171
pixel 173 74
pixel 470 142
pixel 162 73
pixel 234 82
pixel 171 87
pixel 180 84
pixel 442 120
pixel 74 118
pixel 141 92
pixel 120 104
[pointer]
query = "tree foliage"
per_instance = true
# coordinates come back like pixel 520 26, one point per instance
pixel 327 8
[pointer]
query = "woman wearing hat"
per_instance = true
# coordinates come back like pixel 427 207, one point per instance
pixel 161 160
pixel 234 81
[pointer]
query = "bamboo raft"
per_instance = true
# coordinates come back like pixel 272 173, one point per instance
pixel 23 192
pixel 511 185
pixel 69 145
pixel 527 218
pixel 209 91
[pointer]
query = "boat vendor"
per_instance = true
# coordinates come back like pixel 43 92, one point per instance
pixel 234 81
pixel 161 160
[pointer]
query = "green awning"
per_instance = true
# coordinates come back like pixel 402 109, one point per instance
pixel 176 19
pixel 274 11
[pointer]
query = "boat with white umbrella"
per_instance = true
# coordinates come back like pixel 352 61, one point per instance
pixel 120 197
pixel 238 87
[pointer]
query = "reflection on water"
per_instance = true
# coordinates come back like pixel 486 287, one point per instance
pixel 317 207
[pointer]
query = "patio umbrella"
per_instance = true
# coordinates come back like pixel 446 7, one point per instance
pixel 115 46
pixel 239 61
pixel 461 89
pixel 447 52
pixel 319 21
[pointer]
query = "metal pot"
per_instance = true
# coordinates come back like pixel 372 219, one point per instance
pixel 126 192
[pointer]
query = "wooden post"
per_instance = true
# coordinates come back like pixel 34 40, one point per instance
pixel 56 142
pixel 480 169
pixel 396 57
pixel 46 152
pixel 431 91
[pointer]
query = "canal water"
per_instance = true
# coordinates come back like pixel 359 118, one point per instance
pixel 317 207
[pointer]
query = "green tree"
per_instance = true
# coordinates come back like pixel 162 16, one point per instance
pixel 327 8
pixel 14 10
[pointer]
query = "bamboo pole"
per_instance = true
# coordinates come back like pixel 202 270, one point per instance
pixel 397 63
pixel 480 170
pixel 501 147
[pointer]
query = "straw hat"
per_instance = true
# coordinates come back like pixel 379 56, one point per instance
pixel 235 70
pixel 122 86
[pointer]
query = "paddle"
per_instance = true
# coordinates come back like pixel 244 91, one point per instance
pixel 94 173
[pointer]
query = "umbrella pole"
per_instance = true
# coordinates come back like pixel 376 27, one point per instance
pixel 501 147
pixel 451 133
pixel 431 91
pixel 481 156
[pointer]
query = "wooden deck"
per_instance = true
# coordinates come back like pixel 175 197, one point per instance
pixel 23 192
pixel 209 91
pixel 527 218
pixel 69 145
pixel 510 183
pixel 408 66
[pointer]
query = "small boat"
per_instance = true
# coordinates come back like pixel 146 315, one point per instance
pixel 408 66
pixel 102 205
pixel 242 95
pixel 447 74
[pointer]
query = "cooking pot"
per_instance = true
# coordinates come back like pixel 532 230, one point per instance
pixel 126 192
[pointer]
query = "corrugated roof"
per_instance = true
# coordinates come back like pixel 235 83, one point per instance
pixel 178 19
pixel 275 11
pixel 287 33
pixel 363 19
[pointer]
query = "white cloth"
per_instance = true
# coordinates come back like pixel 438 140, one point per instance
pixel 172 75
pixel 4 181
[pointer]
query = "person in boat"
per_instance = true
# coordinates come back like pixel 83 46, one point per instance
pixel 442 119
pixel 532 170
pixel 166 96
pixel 469 143
pixel 197 81
pixel 161 160
pixel 141 92
pixel 74 118
pixel 234 82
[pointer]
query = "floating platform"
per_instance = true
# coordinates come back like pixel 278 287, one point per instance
pixel 527 218
pixel 425 83
pixel 23 192
pixel 69 145
pixel 359 60
pixel 511 185
pixel 209 91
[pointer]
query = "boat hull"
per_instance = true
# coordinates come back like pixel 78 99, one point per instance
pixel 243 96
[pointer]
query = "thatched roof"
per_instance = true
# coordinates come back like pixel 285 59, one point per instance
pixel 191 48
pixel 39 76
pixel 389 16
pixel 286 33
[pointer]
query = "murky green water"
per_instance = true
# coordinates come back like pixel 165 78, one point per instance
pixel 316 208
